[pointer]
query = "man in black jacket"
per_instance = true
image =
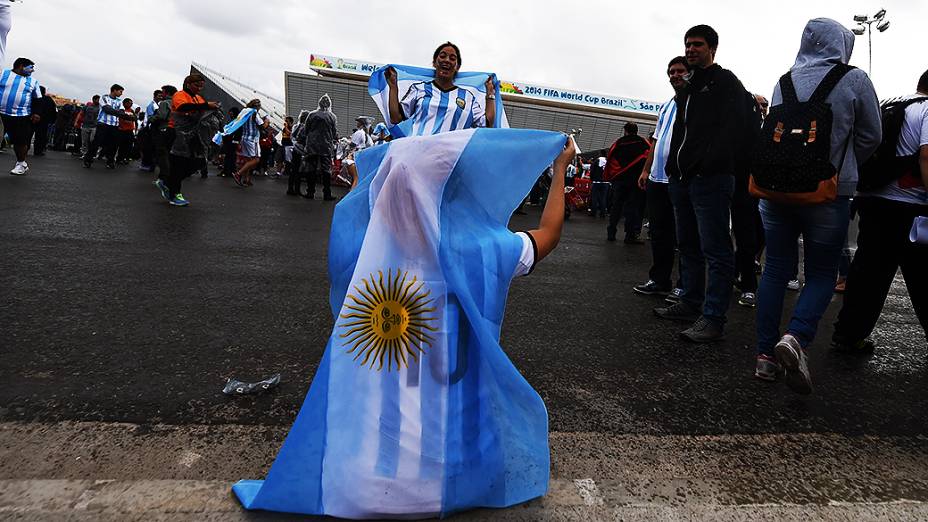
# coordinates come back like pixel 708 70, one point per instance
pixel 710 123
pixel 47 110
pixel 625 160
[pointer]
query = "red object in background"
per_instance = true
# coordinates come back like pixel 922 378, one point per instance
pixel 578 197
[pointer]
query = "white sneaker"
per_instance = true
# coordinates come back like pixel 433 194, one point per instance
pixel 20 169
pixel 794 285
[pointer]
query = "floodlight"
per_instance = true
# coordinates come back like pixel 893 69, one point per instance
pixel 880 14
pixel 882 26
pixel 859 31
pixel 860 18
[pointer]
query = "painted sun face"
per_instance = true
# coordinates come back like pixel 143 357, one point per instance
pixel 388 321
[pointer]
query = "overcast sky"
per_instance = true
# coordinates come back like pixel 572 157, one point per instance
pixel 617 48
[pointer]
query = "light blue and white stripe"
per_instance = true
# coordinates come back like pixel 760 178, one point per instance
pixel 17 93
pixel 663 133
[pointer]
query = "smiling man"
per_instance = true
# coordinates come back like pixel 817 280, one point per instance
pixel 711 115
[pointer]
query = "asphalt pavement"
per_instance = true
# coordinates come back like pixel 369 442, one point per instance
pixel 118 308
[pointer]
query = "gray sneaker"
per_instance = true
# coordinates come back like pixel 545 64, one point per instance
pixel 792 358
pixel 677 312
pixel 767 368
pixel 703 331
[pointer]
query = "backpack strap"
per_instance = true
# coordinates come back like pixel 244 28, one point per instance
pixel 787 89
pixel 829 82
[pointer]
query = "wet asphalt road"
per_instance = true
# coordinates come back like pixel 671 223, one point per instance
pixel 116 307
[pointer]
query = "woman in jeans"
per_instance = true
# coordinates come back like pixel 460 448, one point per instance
pixel 855 135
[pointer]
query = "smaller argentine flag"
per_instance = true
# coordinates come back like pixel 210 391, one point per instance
pixel 410 77
pixel 234 125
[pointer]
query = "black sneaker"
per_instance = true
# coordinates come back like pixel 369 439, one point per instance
pixel 674 295
pixel 87 164
pixel 633 240
pixel 677 312
pixel 842 344
pixel 703 331
pixel 110 165
pixel 651 288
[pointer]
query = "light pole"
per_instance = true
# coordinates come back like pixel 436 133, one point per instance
pixel 864 24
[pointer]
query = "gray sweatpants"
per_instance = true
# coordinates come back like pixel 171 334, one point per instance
pixel 87 134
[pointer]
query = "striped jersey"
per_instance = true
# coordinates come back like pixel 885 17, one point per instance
pixel 17 93
pixel 662 134
pixel 251 130
pixel 433 110
pixel 109 119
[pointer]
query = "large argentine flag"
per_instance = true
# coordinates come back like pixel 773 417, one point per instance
pixel 406 75
pixel 415 410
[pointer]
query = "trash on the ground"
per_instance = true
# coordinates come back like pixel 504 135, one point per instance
pixel 237 387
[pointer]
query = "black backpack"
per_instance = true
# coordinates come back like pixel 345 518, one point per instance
pixel 884 166
pixel 792 156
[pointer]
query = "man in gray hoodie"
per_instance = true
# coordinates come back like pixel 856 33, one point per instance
pixel 855 135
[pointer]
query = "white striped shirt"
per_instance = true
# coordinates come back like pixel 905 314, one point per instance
pixel 251 130
pixel 433 110
pixel 109 119
pixel 663 132
pixel 17 93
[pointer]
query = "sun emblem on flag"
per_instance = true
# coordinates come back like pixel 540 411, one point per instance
pixel 388 321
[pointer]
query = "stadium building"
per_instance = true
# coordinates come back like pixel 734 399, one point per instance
pixel 595 119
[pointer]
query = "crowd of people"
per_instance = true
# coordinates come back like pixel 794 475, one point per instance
pixel 695 179
pixel 722 181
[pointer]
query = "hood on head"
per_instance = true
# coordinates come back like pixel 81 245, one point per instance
pixel 824 41
pixel 302 117
pixel 325 103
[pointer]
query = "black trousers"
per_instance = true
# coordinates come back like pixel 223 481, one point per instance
pixel 294 179
pixel 106 138
pixel 663 233
pixel 883 246
pixel 41 138
pixel 181 168
pixel 147 147
pixel 125 144
pixel 745 222
pixel 314 167
pixel 162 139
pixel 627 197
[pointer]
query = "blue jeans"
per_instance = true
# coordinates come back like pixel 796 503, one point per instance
pixel 702 207
pixel 823 229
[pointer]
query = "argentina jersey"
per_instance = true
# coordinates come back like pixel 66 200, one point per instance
pixel 663 133
pixel 109 119
pixel 433 111
pixel 16 93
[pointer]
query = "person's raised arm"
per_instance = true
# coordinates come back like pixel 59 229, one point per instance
pixel 396 112
pixel 548 233
pixel 490 104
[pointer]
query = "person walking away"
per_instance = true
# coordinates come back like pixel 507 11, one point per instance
pixel 188 154
pixel 106 136
pixel 47 110
pixel 319 146
pixel 250 146
pixel 653 180
pixel 90 113
pixel 819 76
pixel 624 163
pixel 296 156
pixel 162 133
pixel 18 89
pixel 711 117
pixel 229 147
pixel 146 138
pixel 887 214
pixel 599 188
